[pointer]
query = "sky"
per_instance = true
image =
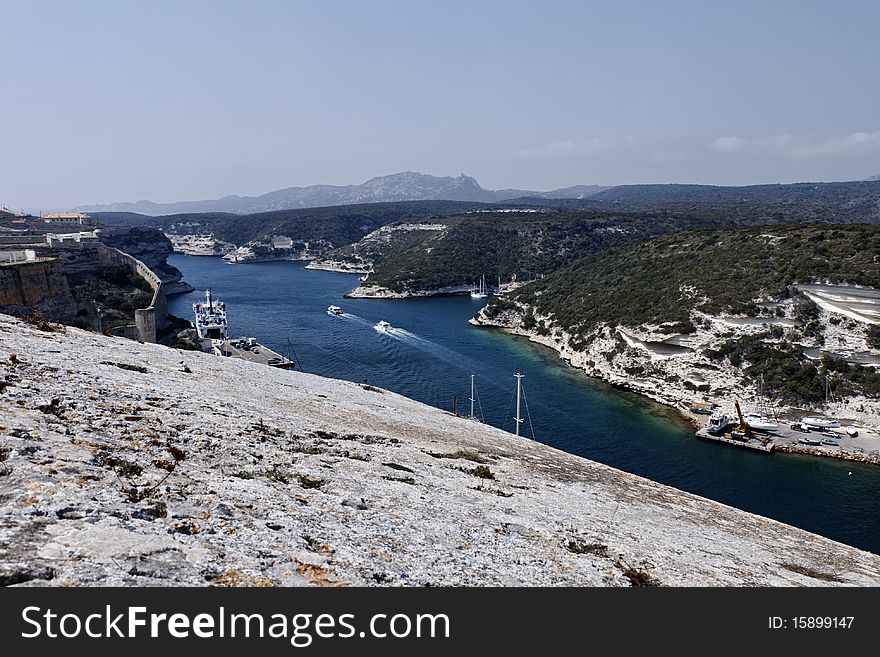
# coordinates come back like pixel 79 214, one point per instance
pixel 105 101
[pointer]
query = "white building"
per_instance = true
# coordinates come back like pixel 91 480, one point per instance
pixel 66 218
pixel 11 257
pixel 282 242
pixel 82 237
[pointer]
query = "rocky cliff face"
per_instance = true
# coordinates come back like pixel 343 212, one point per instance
pixel 131 464
pixel 37 285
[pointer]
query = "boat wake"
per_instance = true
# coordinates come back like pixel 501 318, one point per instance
pixel 350 316
pixel 429 347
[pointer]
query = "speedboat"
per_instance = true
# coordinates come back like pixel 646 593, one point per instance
pixel 816 422
pixel 718 422
pixel 334 310
pixel 759 422
pixel 382 326
pixel 852 432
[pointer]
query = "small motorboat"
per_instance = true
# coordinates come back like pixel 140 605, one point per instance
pixel 335 310
pixel 718 422
pixel 830 443
pixel 382 326
pixel 852 432
pixel 810 441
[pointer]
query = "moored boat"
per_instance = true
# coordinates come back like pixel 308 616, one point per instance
pixel 816 422
pixel 480 291
pixel 760 422
pixel 210 318
pixel 718 422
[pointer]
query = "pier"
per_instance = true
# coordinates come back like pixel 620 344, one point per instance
pixel 749 443
pixel 247 349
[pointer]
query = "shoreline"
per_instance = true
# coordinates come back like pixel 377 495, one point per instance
pixel 379 292
pixel 335 266
pixel 655 393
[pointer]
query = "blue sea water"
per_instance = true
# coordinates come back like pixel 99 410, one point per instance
pixel 432 351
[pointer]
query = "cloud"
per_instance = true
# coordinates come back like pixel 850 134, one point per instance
pixel 851 144
pixel 803 146
pixel 728 144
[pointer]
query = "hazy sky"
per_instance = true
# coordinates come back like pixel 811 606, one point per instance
pixel 122 100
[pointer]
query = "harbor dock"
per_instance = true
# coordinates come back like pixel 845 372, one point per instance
pixel 248 349
pixel 748 443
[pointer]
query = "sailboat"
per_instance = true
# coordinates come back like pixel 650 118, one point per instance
pixel 474 399
pixel 757 419
pixel 819 422
pixel 480 292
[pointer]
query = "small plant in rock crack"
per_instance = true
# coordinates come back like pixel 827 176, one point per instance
pixel 52 408
pixel 307 481
pixel 176 453
pixel 578 546
pixel 482 471
pixel 35 318
pixel 120 466
pixel 281 476
pixel 637 575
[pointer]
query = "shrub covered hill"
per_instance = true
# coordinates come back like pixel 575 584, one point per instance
pixel 512 246
pixel 711 270
pixel 334 226
pixel 688 284
pixel 524 245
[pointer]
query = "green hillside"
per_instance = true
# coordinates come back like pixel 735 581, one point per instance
pixel 711 270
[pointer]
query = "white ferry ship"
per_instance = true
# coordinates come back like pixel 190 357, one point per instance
pixel 210 318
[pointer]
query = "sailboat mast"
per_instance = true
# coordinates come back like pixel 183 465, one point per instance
pixel 472 396
pixel 518 419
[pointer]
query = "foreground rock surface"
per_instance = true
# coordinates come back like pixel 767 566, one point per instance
pixel 130 464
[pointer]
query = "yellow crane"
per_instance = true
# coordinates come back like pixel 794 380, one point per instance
pixel 743 425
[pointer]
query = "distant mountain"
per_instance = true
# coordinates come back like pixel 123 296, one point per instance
pixel 873 178
pixel 406 186
pixel 843 202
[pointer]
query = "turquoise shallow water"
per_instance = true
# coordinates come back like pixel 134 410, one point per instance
pixel 432 351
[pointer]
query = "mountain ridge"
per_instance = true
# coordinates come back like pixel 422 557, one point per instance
pixel 403 186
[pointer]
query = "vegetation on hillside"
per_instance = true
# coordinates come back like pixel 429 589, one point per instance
pixel 511 245
pixel 114 290
pixel 713 270
pixel 789 375
pixel 335 226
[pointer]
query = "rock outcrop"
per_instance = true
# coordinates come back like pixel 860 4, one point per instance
pixel 135 464
pixel 40 285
